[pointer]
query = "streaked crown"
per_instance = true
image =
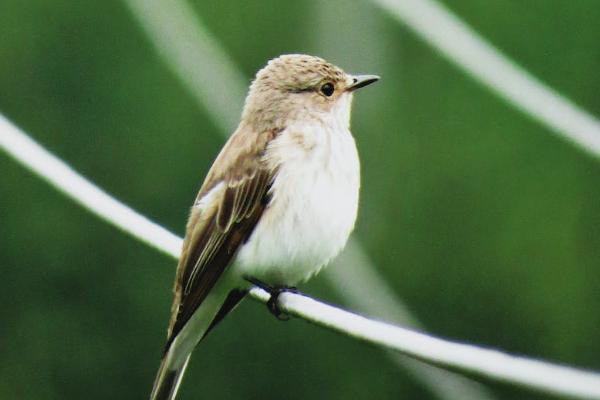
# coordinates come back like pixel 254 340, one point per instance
pixel 297 72
pixel 299 87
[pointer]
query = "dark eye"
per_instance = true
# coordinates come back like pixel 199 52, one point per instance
pixel 327 89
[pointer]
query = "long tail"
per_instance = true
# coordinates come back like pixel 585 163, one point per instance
pixel 168 379
pixel 177 355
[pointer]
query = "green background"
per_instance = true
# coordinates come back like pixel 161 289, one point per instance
pixel 482 220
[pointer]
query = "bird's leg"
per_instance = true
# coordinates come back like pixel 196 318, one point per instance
pixel 274 291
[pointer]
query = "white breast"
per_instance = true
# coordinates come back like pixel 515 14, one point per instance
pixel 313 207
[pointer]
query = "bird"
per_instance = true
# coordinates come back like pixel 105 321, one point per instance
pixel 278 203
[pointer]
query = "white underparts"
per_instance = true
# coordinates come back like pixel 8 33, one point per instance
pixel 314 201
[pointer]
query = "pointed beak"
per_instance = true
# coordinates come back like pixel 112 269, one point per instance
pixel 361 81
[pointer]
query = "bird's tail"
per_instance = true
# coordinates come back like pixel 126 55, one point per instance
pixel 168 379
pixel 178 351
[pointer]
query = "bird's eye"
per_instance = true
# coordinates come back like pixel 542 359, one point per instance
pixel 327 89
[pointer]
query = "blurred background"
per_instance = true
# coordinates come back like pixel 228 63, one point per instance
pixel 481 220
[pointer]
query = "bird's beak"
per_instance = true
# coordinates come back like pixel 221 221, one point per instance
pixel 361 81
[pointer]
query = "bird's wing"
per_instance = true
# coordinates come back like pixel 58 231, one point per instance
pixel 228 207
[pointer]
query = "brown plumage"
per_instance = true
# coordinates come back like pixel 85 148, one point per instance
pixel 213 236
pixel 296 118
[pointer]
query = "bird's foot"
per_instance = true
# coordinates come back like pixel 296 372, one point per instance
pixel 275 292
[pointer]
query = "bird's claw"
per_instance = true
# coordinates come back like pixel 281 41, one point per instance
pixel 275 292
pixel 272 304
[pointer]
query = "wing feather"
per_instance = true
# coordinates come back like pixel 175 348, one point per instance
pixel 228 207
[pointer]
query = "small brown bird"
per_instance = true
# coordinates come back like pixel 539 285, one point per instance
pixel 278 203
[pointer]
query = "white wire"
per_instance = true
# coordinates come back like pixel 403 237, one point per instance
pixel 60 175
pixel 352 279
pixel 180 37
pixel 560 380
pixel 160 21
pixel 357 43
pixel 443 30
pixel 195 56
pixel 492 364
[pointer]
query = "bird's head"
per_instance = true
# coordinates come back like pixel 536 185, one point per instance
pixel 294 87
